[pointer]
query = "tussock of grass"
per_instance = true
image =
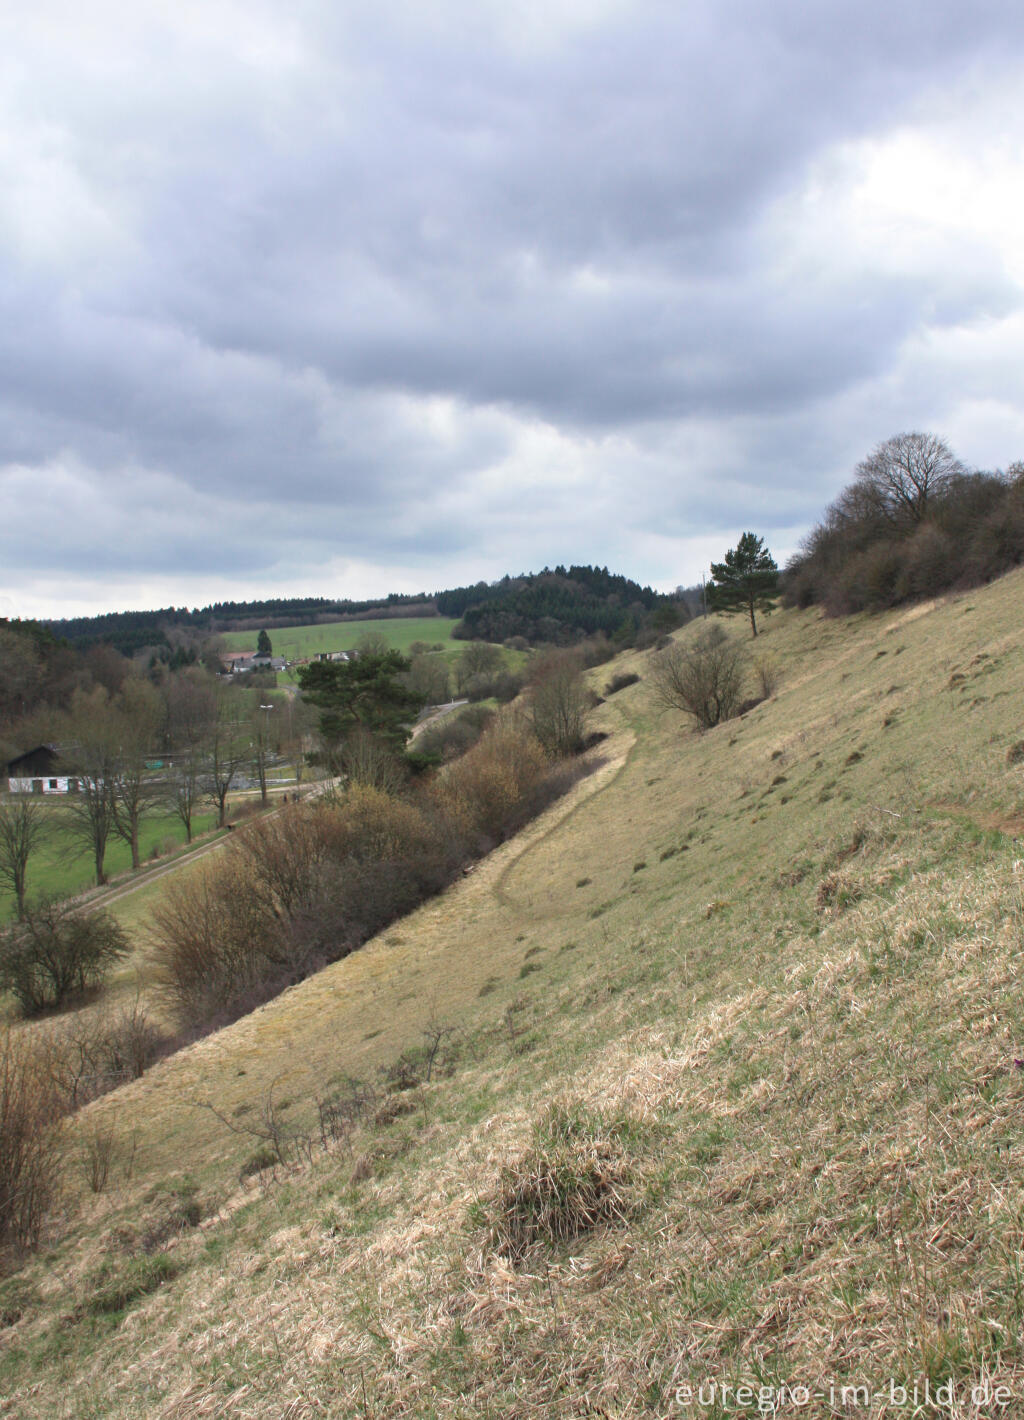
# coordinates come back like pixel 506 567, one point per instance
pixel 576 1177
pixel 116 1289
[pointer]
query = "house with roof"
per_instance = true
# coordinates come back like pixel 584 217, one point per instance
pixel 39 771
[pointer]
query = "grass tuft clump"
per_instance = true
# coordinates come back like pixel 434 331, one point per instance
pixel 579 1174
pixel 115 1291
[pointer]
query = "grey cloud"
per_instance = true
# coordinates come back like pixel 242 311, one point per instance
pixel 294 237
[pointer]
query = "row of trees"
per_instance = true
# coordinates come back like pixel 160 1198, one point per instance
pixel 145 749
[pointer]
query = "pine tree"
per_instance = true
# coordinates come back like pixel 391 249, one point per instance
pixel 263 646
pixel 368 694
pixel 745 581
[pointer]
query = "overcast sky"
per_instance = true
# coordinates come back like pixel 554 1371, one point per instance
pixel 338 298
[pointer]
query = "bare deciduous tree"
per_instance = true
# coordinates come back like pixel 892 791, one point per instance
pixel 478 658
pixel 559 702
pixel 22 827
pixel 264 738
pixel 429 677
pixel 56 952
pixel 907 471
pixel 93 758
pixel 191 714
pixel 229 751
pixel 137 717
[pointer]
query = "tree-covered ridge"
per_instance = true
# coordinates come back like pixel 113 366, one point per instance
pixel 130 631
pixel 555 605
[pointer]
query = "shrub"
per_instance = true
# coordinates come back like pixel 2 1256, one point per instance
pixel 483 796
pixel 58 951
pixel 767 674
pixel 704 677
pixel 452 735
pixel 30 1143
pixel 620 681
pixel 364 758
pixel 215 943
pixel 88 1055
pixel 502 686
pixel 479 659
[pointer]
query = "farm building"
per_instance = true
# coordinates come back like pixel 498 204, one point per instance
pixel 238 662
pixel 38 771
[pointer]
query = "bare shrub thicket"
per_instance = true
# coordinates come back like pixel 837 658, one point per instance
pixel 58 951
pixel 453 735
pixel 90 1054
pixel 296 891
pixel 30 1142
pixel 704 677
pixel 766 675
pixel 216 947
pixel 484 796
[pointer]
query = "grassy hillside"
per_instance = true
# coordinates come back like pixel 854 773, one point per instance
pixel 725 1090
pixel 303 642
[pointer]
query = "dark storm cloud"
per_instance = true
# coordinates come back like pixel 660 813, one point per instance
pixel 325 270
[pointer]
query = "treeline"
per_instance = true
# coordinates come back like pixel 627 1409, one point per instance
pixel 558 606
pixel 914 523
pixel 131 631
pixel 41 674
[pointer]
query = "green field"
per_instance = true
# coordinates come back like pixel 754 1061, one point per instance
pixel 297 643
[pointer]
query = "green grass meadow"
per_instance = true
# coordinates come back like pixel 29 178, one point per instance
pixel 297 643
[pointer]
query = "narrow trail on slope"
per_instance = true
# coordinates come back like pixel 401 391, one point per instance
pixel 621 744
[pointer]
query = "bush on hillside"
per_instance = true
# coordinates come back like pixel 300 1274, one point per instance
pixel 216 948
pixel 91 1053
pixel 480 798
pixel 453 735
pixel 307 886
pixel 704 677
pixel 502 686
pixel 559 702
pixel 620 681
pixel 58 951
